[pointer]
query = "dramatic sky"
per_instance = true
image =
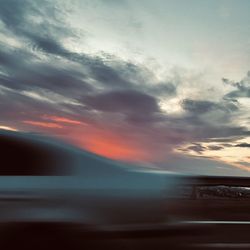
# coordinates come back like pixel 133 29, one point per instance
pixel 160 83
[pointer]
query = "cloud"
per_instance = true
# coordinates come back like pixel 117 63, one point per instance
pixel 133 105
pixel 126 101
pixel 198 106
pixel 202 166
pixel 243 145
pixel 215 147
pixel 62 120
pixel 201 107
pixel 197 148
pixel 243 92
pixel 243 87
pixel 43 124
pixel 28 19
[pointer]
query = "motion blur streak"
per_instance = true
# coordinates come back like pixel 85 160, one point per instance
pixel 56 196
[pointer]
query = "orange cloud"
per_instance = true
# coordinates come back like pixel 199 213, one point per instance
pixel 114 148
pixel 110 144
pixel 100 140
pixel 62 119
pixel 43 124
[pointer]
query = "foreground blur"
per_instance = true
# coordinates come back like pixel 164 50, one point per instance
pixel 55 195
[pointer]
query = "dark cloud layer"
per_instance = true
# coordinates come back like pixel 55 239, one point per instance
pixel 243 145
pixel 200 106
pixel 215 147
pixel 198 148
pixel 242 88
pixel 127 101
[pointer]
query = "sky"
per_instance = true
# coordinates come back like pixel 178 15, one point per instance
pixel 164 84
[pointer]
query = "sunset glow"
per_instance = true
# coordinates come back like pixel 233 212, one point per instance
pixel 114 147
